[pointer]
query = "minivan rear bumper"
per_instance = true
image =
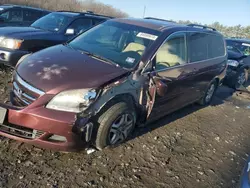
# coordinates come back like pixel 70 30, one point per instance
pixel 41 127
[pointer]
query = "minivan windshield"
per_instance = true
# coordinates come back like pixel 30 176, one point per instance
pixel 54 22
pixel 120 43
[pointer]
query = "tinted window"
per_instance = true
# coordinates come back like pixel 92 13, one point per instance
pixel 216 47
pixel 12 15
pixel 31 15
pixel 172 53
pixel 81 25
pixel 205 46
pixel 98 21
pixel 121 43
pixel 199 44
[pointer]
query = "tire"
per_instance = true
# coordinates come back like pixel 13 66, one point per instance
pixel 111 128
pixel 241 78
pixel 205 100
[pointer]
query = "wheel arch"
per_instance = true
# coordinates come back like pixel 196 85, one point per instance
pixel 125 97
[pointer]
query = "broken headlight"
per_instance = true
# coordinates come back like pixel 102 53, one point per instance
pixel 233 63
pixel 73 100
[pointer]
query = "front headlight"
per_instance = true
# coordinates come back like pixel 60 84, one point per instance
pixel 73 100
pixel 233 63
pixel 10 43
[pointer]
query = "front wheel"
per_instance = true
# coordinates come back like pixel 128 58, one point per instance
pixel 241 78
pixel 115 125
pixel 207 98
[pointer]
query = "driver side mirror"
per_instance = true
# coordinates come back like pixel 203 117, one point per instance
pixel 70 32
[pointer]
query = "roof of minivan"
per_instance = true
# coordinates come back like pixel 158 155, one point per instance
pixel 159 25
pixel 162 25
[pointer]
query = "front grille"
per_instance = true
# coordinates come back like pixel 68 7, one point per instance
pixel 24 93
pixel 20 131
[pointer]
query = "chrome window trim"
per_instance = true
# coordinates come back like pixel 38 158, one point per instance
pixel 28 86
pixel 225 46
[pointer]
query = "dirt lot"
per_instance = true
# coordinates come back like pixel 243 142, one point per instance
pixel 194 147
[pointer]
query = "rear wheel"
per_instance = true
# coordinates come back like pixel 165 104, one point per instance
pixel 207 98
pixel 115 125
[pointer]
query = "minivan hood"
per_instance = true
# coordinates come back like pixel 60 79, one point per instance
pixel 60 68
pixel 22 32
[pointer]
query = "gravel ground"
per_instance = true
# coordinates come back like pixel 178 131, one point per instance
pixel 194 147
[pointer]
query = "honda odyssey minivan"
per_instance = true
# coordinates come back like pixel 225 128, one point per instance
pixel 97 87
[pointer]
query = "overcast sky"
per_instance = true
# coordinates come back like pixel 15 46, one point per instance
pixel 227 12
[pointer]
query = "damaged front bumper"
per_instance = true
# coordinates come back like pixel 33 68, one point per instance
pixel 44 128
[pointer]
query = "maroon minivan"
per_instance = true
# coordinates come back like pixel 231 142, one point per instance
pixel 121 73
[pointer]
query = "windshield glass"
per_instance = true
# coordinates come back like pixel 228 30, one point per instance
pixel 52 22
pixel 239 47
pixel 123 44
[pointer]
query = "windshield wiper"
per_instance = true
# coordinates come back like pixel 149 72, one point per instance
pixel 99 57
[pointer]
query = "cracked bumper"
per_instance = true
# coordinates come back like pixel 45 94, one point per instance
pixel 38 125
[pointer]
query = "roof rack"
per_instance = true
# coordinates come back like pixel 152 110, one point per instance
pixel 202 26
pixel 159 19
pixel 86 12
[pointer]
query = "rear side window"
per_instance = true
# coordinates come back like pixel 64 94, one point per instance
pixel 31 15
pixel 205 46
pixel 198 43
pixel 216 46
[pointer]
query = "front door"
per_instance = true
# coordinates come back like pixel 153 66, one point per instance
pixel 172 76
pixel 12 17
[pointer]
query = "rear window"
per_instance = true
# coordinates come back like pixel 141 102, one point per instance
pixel 205 46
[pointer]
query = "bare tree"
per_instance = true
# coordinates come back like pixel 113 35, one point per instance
pixel 71 5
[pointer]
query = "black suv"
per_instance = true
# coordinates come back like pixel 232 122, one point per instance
pixel 238 69
pixel 239 45
pixel 54 28
pixel 15 15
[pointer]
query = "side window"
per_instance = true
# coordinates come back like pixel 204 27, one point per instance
pixel 216 47
pixel 31 15
pixel 198 46
pixel 81 25
pixel 172 53
pixel 13 15
pixel 97 21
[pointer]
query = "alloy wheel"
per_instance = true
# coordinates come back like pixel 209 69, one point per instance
pixel 210 93
pixel 121 128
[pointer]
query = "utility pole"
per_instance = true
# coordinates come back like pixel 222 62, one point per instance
pixel 144 12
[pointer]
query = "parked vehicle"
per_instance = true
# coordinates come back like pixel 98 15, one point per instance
pixel 16 15
pixel 123 72
pixel 239 45
pixel 52 29
pixel 245 177
pixel 237 71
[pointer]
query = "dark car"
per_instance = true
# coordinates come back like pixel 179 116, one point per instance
pixel 239 45
pixel 123 72
pixel 237 71
pixel 54 28
pixel 245 177
pixel 16 15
